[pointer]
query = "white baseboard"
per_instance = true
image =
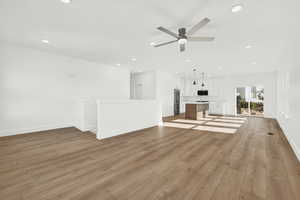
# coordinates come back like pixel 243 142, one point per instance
pixel 10 132
pixel 294 146
pixel 93 130
pixel 89 127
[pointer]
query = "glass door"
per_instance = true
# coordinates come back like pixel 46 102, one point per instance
pixel 250 101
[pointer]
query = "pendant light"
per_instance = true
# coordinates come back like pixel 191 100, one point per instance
pixel 202 85
pixel 194 82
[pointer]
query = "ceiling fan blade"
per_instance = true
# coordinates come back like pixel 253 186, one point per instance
pixel 181 47
pixel 165 43
pixel 167 31
pixel 203 39
pixel 195 28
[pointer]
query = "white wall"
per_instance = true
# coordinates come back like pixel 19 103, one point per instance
pixel 143 85
pixel 119 117
pixel 289 104
pixel 223 89
pixel 87 115
pixel 192 90
pixel 166 83
pixel 157 85
pixel 40 90
pixel 289 80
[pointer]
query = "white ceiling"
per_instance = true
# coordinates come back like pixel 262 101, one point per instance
pixel 114 31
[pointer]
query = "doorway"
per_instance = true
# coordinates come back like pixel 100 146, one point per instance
pixel 250 101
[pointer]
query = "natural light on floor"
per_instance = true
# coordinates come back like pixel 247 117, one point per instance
pixel 211 123
pixel 177 125
pixel 215 129
pixel 204 119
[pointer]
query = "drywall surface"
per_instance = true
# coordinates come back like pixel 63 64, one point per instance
pixel 166 83
pixel 41 91
pixel 119 117
pixel 143 85
pixel 289 105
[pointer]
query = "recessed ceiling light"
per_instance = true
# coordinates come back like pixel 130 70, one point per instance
pixel 248 46
pixel 66 1
pixel 45 41
pixel 237 8
pixel 133 59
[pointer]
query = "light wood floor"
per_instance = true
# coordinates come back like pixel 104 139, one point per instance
pixel 156 163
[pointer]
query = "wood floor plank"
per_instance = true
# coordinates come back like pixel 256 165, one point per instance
pixel 156 163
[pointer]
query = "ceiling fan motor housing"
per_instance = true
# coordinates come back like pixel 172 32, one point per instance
pixel 182 33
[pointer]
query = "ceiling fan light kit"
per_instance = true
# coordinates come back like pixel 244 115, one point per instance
pixel 182 41
pixel 184 36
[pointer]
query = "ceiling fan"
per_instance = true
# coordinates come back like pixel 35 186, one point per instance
pixel 183 36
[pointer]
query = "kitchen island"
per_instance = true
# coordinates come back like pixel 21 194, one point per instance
pixel 192 109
